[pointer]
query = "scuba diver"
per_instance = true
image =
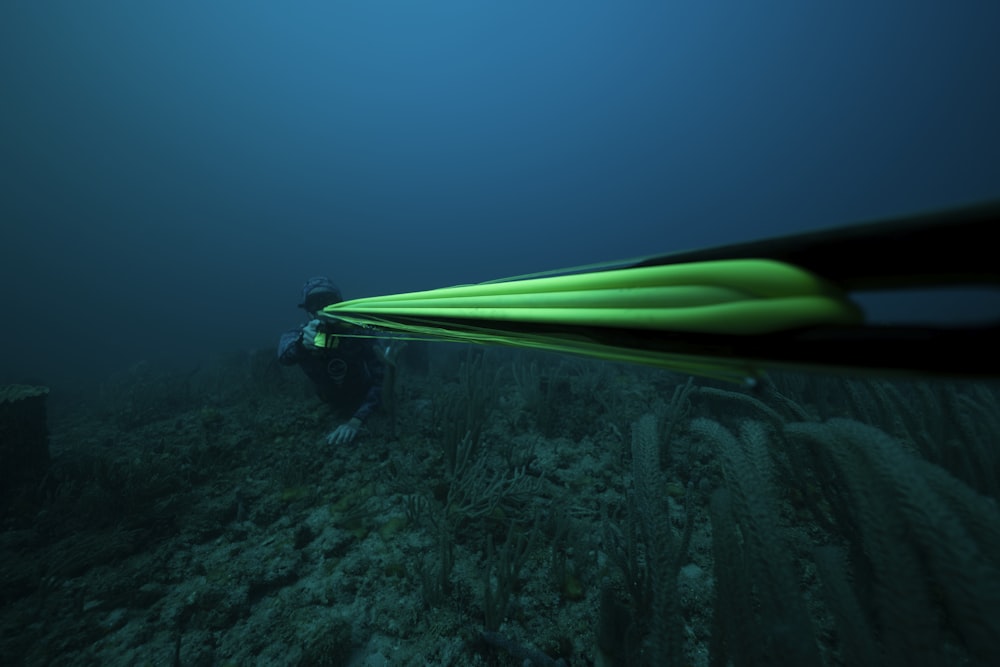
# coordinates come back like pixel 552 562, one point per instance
pixel 347 372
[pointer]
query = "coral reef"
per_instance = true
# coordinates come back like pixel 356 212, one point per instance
pixel 514 508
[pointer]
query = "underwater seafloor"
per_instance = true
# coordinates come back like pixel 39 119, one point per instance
pixel 511 508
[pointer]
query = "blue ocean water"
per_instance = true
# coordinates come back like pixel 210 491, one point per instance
pixel 170 175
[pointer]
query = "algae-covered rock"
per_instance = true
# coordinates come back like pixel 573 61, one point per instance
pixel 14 393
pixel 24 438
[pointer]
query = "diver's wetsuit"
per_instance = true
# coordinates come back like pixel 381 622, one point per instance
pixel 348 376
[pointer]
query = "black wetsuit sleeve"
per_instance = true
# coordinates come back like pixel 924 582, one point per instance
pixel 290 347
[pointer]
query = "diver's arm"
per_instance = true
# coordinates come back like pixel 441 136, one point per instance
pixel 290 348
